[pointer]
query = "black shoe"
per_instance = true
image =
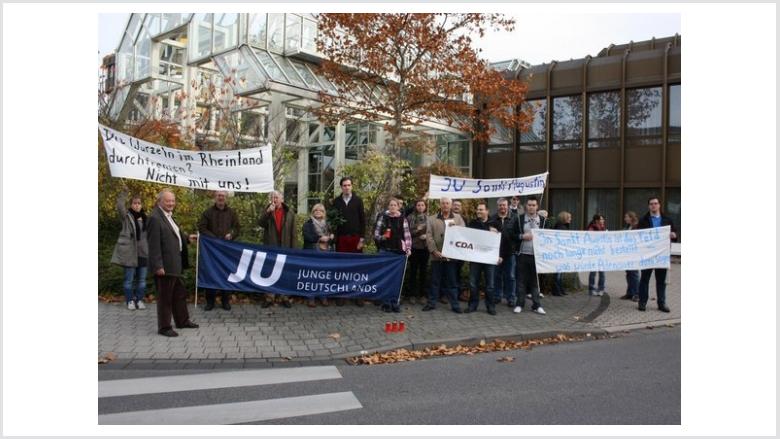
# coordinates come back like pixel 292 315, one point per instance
pixel 168 332
pixel 428 307
pixel 557 294
pixel 664 308
pixel 564 293
pixel 286 304
pixel 209 307
pixel 635 299
pixel 266 304
pixel 492 311
pixel 626 297
pixel 396 308
pixel 642 307
pixel 471 309
pixel 457 310
pixel 386 308
pixel 226 306
pixel 189 324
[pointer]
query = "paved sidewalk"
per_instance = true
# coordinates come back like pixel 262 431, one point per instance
pixel 251 336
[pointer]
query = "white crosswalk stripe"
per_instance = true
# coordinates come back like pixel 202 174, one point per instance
pixel 225 413
pixel 238 412
pixel 219 380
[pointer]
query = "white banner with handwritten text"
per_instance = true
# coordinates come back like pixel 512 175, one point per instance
pixel 561 251
pixel 244 170
pixel 457 187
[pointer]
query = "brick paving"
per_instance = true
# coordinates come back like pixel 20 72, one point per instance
pixel 249 335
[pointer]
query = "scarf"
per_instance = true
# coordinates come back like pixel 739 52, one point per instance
pixel 320 226
pixel 138 226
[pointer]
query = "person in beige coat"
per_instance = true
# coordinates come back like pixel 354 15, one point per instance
pixel 443 276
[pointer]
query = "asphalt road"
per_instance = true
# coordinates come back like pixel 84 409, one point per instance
pixel 631 379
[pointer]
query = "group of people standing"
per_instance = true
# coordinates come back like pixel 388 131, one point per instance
pixel 637 281
pixel 158 243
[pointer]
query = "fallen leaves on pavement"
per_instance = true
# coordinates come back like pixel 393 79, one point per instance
pixel 109 357
pixel 335 336
pixel 506 359
pixel 403 355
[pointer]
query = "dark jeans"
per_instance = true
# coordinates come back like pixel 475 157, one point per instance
pixel 632 282
pixel 505 280
pixel 526 280
pixel 558 283
pixel 443 279
pixel 660 286
pixel 475 272
pixel 460 284
pixel 592 281
pixel 415 274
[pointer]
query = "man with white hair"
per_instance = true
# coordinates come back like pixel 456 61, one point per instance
pixel 221 222
pixel 278 223
pixel 167 261
pixel 442 268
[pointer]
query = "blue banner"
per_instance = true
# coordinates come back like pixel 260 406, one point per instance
pixel 236 266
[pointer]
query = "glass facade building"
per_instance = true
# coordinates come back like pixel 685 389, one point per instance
pixel 264 69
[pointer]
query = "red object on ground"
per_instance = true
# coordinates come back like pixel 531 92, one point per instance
pixel 401 326
pixel 388 326
pixel 395 326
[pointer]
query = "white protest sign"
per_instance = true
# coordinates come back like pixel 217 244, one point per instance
pixel 245 170
pixel 456 187
pixel 561 251
pixel 473 245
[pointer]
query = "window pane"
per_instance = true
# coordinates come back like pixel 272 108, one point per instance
pixel 644 115
pixel 225 31
pixel 501 135
pixel 270 66
pixel 672 209
pixel 604 202
pixel 200 41
pixel 328 134
pixel 276 32
pixel 604 119
pixel 566 200
pixel 124 60
pixel 172 21
pixel 235 66
pixel 153 24
pixel 293 33
pixel 674 114
pixel 293 131
pixel 567 122
pixel 143 53
pixel 257 31
pixel 309 36
pixel 307 76
pixel 251 124
pixel 288 69
pixel 636 199
pixel 536 133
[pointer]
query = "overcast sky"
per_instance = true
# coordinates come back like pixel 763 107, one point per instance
pixel 537 38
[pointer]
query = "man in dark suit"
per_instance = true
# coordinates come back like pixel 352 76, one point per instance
pixel 350 234
pixel 654 218
pixel 167 260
